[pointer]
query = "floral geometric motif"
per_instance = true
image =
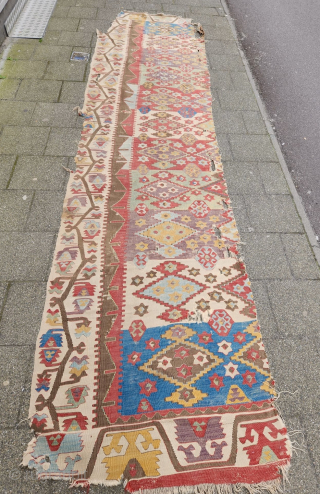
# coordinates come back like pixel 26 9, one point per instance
pixel 199 209
pixel 207 257
pixel 163 190
pixel 221 322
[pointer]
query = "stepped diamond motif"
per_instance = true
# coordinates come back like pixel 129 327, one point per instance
pixel 168 232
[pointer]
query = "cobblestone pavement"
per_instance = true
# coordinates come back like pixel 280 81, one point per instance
pixel 39 133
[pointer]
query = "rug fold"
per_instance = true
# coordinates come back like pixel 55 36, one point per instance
pixel 150 369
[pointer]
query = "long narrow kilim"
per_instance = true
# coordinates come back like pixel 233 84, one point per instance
pixel 150 370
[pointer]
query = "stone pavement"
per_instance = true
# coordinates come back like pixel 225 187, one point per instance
pixel 39 133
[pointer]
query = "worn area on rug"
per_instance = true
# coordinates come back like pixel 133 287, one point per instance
pixel 150 369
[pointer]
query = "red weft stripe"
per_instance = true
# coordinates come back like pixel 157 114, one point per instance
pixel 227 475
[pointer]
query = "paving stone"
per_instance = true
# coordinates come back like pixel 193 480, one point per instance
pixel 61 11
pixel 93 3
pixel 240 213
pixel 65 71
pixel 237 100
pixel 60 488
pixel 295 304
pixel 175 9
pixel 27 256
pixel 16 112
pixel 229 122
pixel 149 6
pixel 252 148
pixel 67 24
pixel 91 25
pixel 200 3
pixel 72 39
pixel 273 213
pixel 83 12
pixel 111 14
pixel 47 171
pixel 23 140
pixel 273 178
pixel 13 478
pixel 13 364
pixel 243 178
pixel 240 81
pixel 39 90
pixel 51 38
pixel 73 92
pixel 215 32
pixel 254 122
pixel 124 4
pixel 224 147
pixel 207 11
pixel 45 213
pixel 219 46
pixel 312 435
pixel 66 3
pixel 6 168
pixel 302 476
pixel 226 62
pixel 264 256
pixel 287 369
pixel 94 40
pixel 14 209
pixel 56 115
pixel 21 317
pixel 52 53
pixel 220 80
pixel 24 69
pixel 63 142
pixel 265 315
pixel 28 483
pixel 300 256
pixel 3 294
pixel 20 51
pixel 8 88
pixel 72 164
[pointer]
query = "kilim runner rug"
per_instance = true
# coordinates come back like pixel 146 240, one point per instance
pixel 150 370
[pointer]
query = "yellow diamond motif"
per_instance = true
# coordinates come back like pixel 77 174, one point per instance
pixel 168 232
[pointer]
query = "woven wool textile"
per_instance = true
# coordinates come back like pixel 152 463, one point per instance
pixel 150 370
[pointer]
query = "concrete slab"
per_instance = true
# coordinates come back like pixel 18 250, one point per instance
pixel 13 364
pixel 6 169
pixel 265 256
pixel 24 69
pixel 243 178
pixel 273 178
pixel 52 53
pixel 16 112
pixel 65 71
pixel 39 90
pixel 21 316
pixel 55 115
pixel 300 257
pixel 45 212
pixel 27 256
pixel 62 142
pixel 8 88
pixel 73 92
pixel 14 209
pixel 252 148
pixel 23 140
pixel 273 213
pixel 39 173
